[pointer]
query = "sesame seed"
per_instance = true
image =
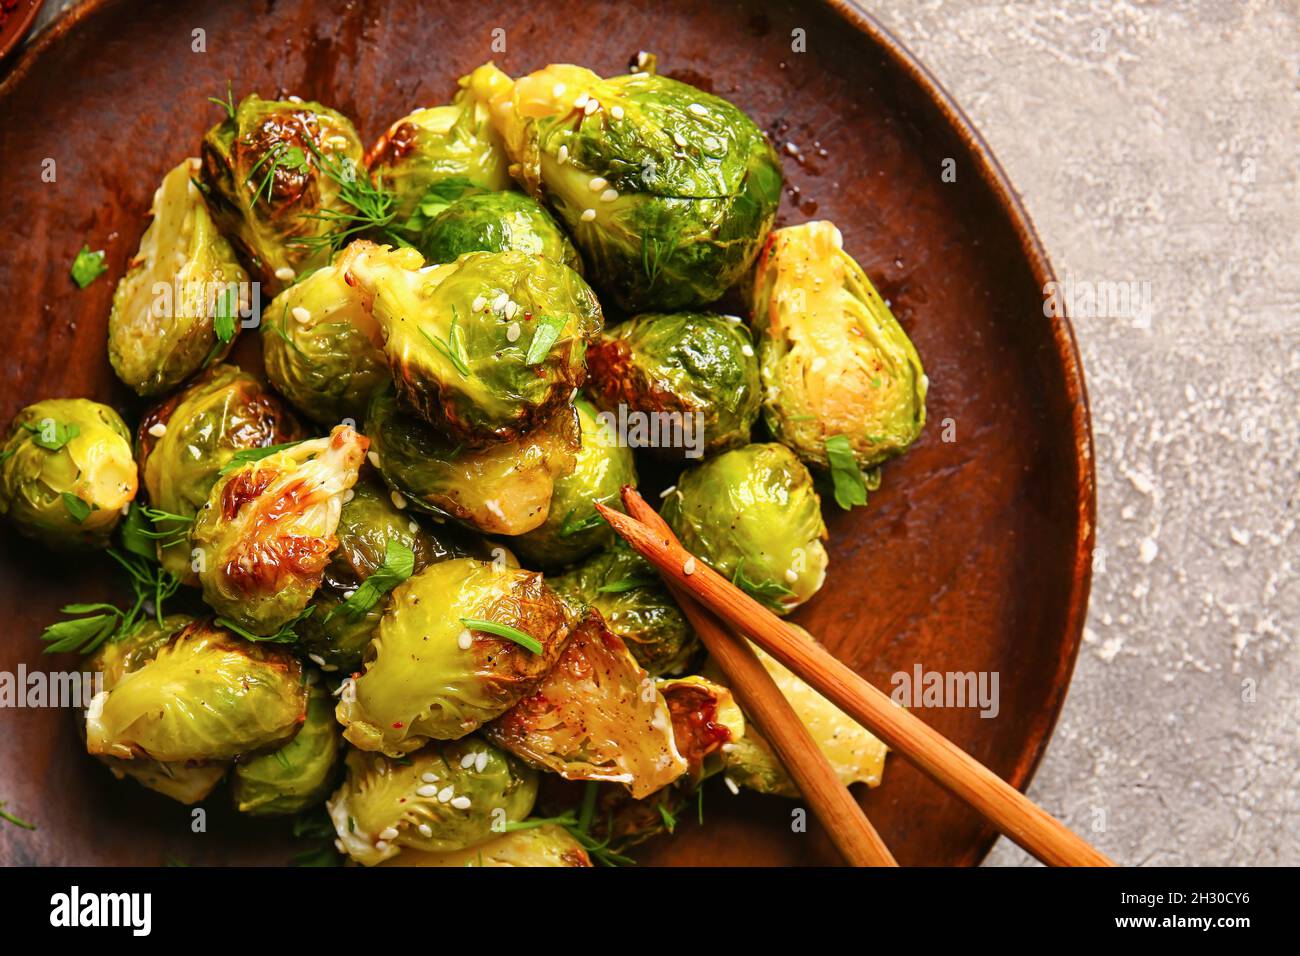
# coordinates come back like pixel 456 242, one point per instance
pixel 301 314
pixel 381 845
pixel 512 333
pixel 591 107
pixel 562 155
pixel 465 641
pixel 481 761
pixel 609 195
pixel 512 307
pixel 747 350
pixel 616 112
pixel 791 575
pixel 445 794
pixel 688 566
pixel 389 834
pixel 581 101
pixel 667 491
pixel 477 304
pixel 698 110
pixel 679 139
pixel 284 273
pixel 466 760
pixel 499 303
pixel 461 803
pixel 398 501
pixel 413 527
pixel 597 183
pixel 426 790
pixel 348 593
pixel 158 429
pixel 294 99
pixel 317 659
pixel 588 215
pixel 429 777
pixel 426 831
pixel 731 785
pixel 374 458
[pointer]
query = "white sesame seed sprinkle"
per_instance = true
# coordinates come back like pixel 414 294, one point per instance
pixel 381 845
pixel 388 834
pixel 465 641
pixel 468 759
pixel 667 491
pixel 591 107
pixel 512 309
pixel 688 566
pixel 698 110
pixel 679 139
pixel 429 777
pixel 426 790
pixel 426 831
pixel 616 112
pixel 373 456
pixel 413 527
pixel 481 761
pixel 499 303
pixel 597 183
pixel 398 501
pixel 731 785
pixel 461 803
pixel 284 274
pixel 512 332
pixel 478 304
pixel 609 195
pixel 445 794
pixel 588 215
pixel 317 659
pixel 301 314
pixel 747 350
pixel 562 155
pixel 348 593
pixel 581 101
pixel 158 429
pixel 791 575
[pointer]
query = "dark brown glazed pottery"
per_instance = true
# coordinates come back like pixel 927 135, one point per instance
pixel 973 556
pixel 16 18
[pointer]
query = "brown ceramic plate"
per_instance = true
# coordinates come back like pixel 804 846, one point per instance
pixel 16 18
pixel 974 556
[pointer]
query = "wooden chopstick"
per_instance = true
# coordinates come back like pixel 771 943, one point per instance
pixel 841 815
pixel 1017 817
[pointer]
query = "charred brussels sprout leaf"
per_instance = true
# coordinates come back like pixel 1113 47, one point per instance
pixel 497 222
pixel 667 191
pixel 544 845
pixel 856 755
pixel 595 716
pixel 323 349
pixel 66 473
pixel 205 695
pixel 705 719
pixel 626 590
pixel 183 444
pixel 268 530
pixel 836 365
pixel 502 488
pixel 297 775
pixel 178 306
pixel 573 528
pixel 753 515
pixel 275 174
pixel 446 797
pixel 433 157
pixel 427 675
pixel 461 338
pixel 693 371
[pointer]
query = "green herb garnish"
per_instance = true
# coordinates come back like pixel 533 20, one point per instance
pixel 52 435
pixel 246 456
pixel 850 487
pixel 77 509
pixel 5 815
pixel 504 630
pixel 398 565
pixel 285 635
pixel 88 266
pixel 767 591
pixel 548 330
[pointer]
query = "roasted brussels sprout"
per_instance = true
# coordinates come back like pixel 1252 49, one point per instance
pixel 627 592
pixel 835 362
pixel 187 782
pixel 66 472
pixel 323 349
pixel 274 173
pixel 705 720
pixel 183 444
pixel 446 797
pixel 206 695
pixel 335 636
pixel 503 488
pixel 544 845
pixel 433 157
pixel 856 755
pixel 451 653
pixel 485 348
pixel 667 191
pixel 268 529
pixel 695 373
pixel 753 515
pixel 297 775
pixel 573 528
pixel 497 222
pixel 180 303
pixel 595 716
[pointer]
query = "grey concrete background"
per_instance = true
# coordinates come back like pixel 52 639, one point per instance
pixel 1156 143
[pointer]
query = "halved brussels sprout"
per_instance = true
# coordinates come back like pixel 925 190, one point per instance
pixel 206 695
pixel 164 325
pixel 274 173
pixel 433 157
pixel 546 845
pixel 573 528
pixel 752 513
pixel 705 719
pixel 187 782
pixel 595 716
pixel 66 472
pixel 485 348
pixel 835 362
pixel 695 370
pixel 856 755
pixel 430 674
pixel 183 444
pixel 503 488
pixel 297 775
pixel 497 222
pixel 323 349
pixel 268 529
pixel 668 191
pixel 334 636
pixel 446 797
pixel 627 592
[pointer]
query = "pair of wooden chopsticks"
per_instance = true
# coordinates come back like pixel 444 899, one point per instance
pixel 713 604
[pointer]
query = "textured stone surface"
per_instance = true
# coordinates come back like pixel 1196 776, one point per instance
pixel 1155 143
